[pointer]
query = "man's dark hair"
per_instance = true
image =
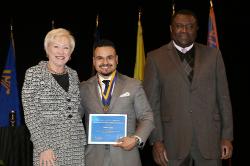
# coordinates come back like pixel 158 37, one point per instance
pixel 103 43
pixel 184 12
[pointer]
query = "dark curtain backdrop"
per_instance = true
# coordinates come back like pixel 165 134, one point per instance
pixel 118 22
pixel 15 146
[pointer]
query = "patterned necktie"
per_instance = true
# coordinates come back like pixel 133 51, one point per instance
pixel 188 62
pixel 187 67
pixel 106 82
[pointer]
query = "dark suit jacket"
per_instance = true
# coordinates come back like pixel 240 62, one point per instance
pixel 128 98
pixel 182 108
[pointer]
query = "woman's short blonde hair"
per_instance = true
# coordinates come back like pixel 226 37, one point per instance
pixel 51 35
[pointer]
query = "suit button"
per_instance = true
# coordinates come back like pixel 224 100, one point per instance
pixel 190 111
pixel 69 108
pixel 70 116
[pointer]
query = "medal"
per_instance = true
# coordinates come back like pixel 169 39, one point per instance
pixel 106 98
pixel 105 108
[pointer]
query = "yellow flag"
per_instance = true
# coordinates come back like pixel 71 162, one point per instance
pixel 140 54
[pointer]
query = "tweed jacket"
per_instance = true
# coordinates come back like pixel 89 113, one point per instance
pixel 128 98
pixel 52 115
pixel 183 109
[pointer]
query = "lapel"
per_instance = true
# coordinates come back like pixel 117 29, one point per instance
pixel 96 98
pixel 177 61
pixel 119 85
pixel 197 64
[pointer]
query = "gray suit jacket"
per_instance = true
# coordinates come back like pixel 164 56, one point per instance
pixel 52 115
pixel 135 105
pixel 181 108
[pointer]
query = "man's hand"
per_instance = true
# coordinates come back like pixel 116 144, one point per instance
pixel 226 149
pixel 126 143
pixel 160 153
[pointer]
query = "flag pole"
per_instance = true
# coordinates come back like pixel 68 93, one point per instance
pixel 211 3
pixel 53 24
pixel 11 35
pixel 97 20
pixel 12 114
pixel 173 7
pixel 96 37
pixel 97 33
pixel 139 14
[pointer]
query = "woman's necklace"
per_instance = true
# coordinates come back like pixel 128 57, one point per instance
pixel 54 72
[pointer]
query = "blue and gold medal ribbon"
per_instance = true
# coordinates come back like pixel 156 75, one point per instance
pixel 106 98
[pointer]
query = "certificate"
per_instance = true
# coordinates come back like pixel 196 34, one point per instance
pixel 106 128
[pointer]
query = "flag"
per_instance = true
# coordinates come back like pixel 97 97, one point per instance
pixel 212 39
pixel 140 53
pixel 9 96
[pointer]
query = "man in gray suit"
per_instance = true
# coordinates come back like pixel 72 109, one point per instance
pixel 188 93
pixel 124 95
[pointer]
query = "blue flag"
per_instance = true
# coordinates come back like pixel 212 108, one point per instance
pixel 9 96
pixel 212 39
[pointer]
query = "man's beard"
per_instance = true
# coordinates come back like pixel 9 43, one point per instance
pixel 109 73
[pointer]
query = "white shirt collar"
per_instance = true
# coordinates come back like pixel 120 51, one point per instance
pixel 181 48
pixel 101 78
pixel 102 84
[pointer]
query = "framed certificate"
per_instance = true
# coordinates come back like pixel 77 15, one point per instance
pixel 106 128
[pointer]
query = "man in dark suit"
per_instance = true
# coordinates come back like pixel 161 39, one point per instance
pixel 124 95
pixel 187 88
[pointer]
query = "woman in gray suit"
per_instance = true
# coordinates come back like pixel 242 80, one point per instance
pixel 51 100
